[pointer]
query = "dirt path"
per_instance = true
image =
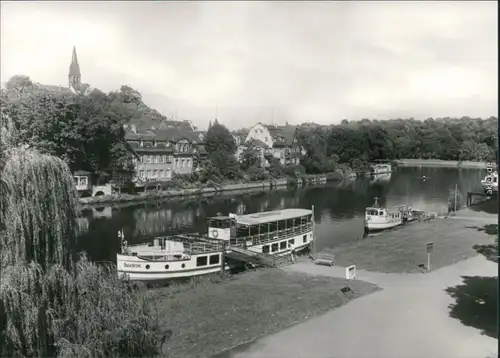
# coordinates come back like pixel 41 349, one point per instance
pixel 408 319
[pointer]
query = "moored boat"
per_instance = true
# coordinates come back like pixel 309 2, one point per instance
pixel 490 183
pixel 268 233
pixel 381 169
pixel 378 218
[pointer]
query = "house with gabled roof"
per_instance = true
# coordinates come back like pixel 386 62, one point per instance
pixel 279 142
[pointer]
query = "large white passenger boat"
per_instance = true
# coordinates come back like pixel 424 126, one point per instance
pixel 268 233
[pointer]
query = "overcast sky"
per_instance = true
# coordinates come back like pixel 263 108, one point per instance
pixel 267 61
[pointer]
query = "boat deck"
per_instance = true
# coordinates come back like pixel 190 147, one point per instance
pixel 176 247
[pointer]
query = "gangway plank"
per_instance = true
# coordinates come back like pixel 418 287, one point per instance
pixel 251 257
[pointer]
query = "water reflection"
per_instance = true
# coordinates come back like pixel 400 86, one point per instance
pixel 339 208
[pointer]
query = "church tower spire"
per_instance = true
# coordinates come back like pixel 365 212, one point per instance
pixel 74 76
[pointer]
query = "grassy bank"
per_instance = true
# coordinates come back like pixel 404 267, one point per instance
pixel 214 315
pixel 403 250
pixel 440 163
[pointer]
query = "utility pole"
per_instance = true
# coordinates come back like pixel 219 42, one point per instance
pixel 456 189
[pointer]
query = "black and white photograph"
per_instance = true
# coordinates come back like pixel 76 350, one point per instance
pixel 249 179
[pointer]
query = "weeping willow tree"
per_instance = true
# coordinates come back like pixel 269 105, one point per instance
pixel 52 303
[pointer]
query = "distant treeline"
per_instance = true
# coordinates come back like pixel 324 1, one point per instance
pixel 357 143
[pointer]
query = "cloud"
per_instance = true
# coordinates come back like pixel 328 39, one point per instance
pixel 263 61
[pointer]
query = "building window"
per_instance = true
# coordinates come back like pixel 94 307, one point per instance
pixel 154 143
pixel 177 163
pixel 148 173
pixel 163 158
pixel 169 173
pixel 182 163
pixel 189 163
pixel 155 173
pixel 141 144
pixel 141 174
pixel 161 173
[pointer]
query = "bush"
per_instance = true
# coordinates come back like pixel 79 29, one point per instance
pixel 257 174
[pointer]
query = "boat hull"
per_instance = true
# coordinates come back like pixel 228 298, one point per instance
pixel 133 268
pixel 380 226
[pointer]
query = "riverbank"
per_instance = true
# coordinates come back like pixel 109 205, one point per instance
pixel 441 163
pixel 219 314
pixel 403 250
pixel 449 312
pixel 207 191
pixel 416 310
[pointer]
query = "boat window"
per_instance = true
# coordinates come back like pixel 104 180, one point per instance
pixel 201 261
pixel 289 223
pixel 381 213
pixel 371 212
pixel 273 226
pixel 242 231
pixel 265 249
pixel 214 259
pixel 291 242
pixel 221 224
pixel 304 238
pixel 281 225
pixel 274 247
pixel 254 230
pixel 282 245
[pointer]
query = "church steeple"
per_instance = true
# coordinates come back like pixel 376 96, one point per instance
pixel 74 75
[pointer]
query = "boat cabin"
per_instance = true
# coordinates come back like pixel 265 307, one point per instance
pixel 252 229
pixel 221 227
pixel 380 212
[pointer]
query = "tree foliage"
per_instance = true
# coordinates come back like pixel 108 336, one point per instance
pixel 85 131
pixel 52 305
pixel 357 143
pixel 221 149
pixel 249 157
pixel 219 139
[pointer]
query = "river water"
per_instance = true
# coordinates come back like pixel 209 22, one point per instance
pixel 339 208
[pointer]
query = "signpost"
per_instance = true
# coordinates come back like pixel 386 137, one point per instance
pixel 430 248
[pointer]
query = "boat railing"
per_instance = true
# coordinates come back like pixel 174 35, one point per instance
pixel 272 236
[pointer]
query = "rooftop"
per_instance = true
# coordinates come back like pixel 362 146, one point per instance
pixel 270 216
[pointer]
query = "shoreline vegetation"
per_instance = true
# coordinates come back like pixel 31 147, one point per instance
pixel 210 189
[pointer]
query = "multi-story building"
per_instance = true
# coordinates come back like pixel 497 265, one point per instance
pixel 280 142
pixel 163 152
